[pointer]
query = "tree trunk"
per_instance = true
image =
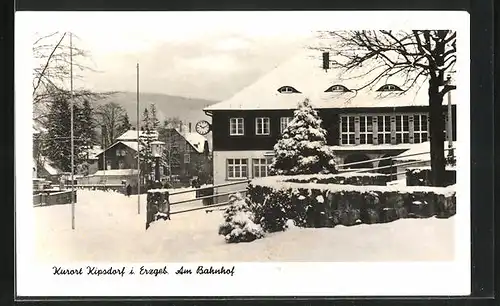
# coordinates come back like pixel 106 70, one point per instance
pixel 436 130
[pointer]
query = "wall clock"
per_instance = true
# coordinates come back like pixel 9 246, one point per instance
pixel 203 127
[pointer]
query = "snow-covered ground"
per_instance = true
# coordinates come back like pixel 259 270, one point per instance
pixel 108 228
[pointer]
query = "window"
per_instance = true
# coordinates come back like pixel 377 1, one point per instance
pixel 237 168
pixel 365 129
pixel 389 87
pixel 384 129
pixel 261 166
pixel 420 128
pixel 402 129
pixel 236 126
pixel 337 88
pixel 121 164
pixel 347 132
pixel 262 126
pixel 120 152
pixel 187 158
pixel 284 122
pixel 288 90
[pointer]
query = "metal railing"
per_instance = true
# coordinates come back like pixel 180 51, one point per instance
pixel 388 158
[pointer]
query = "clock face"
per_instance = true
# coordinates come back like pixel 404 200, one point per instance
pixel 203 127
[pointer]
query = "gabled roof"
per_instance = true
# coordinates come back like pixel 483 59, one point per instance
pixel 130 144
pixel 196 140
pixel 132 135
pixel 304 72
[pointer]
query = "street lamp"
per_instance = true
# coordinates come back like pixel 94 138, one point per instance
pixel 157 151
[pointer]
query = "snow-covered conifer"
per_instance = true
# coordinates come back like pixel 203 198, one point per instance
pixel 302 147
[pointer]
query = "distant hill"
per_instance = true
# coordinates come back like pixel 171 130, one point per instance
pixel 187 109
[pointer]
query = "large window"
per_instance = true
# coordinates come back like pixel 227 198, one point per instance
pixel 347 134
pixel 365 129
pixel 237 168
pixel 284 122
pixel 420 128
pixel 402 129
pixel 384 129
pixel 236 127
pixel 262 126
pixel 261 166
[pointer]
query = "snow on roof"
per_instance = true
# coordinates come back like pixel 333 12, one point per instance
pixel 49 166
pixel 424 148
pixel 130 144
pixel 116 172
pixel 132 135
pixel 94 151
pixel 196 140
pixel 304 72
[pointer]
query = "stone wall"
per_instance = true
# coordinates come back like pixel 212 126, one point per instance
pixel 53 198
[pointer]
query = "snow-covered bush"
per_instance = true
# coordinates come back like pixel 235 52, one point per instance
pixel 239 225
pixel 273 212
pixel 302 147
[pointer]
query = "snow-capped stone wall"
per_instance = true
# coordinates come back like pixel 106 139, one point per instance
pixel 278 199
pixel 421 176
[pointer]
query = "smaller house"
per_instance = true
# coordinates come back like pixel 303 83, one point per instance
pixel 187 153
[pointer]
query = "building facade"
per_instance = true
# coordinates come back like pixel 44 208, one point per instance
pixel 381 120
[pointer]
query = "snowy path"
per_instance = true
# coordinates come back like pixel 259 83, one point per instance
pixel 108 228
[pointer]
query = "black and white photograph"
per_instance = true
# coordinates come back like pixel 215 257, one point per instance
pixel 246 148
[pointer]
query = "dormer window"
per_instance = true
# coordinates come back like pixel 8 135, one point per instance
pixel 287 90
pixel 389 87
pixel 337 88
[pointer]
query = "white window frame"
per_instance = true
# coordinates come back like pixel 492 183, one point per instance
pixel 260 165
pixel 350 134
pixel 402 132
pixel 264 122
pixel 364 135
pixel 384 131
pixel 421 124
pixel 236 126
pixel 235 167
pixel 187 158
pixel 284 122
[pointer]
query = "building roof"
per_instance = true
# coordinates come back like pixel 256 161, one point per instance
pixel 196 140
pixel 130 144
pixel 304 72
pixel 132 135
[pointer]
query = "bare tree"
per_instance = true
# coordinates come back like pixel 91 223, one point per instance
pixel 110 117
pixel 52 72
pixel 416 56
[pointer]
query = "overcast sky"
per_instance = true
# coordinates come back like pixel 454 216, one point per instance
pixel 203 55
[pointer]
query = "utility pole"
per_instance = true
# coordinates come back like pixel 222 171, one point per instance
pixel 72 134
pixel 138 149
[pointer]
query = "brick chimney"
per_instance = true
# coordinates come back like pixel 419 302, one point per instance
pixel 326 61
pixel 189 127
pixel 180 127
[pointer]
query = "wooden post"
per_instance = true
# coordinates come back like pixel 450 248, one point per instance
pixel 158 206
